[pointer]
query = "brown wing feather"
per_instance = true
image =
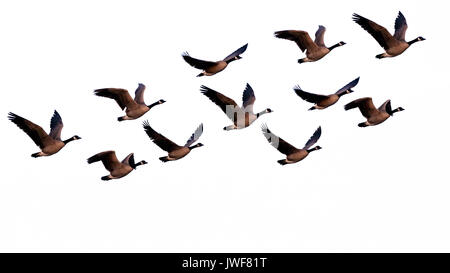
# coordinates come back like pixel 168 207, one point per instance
pixel 380 33
pixel 108 158
pixel 365 105
pixel 160 140
pixel 34 131
pixel 277 142
pixel 301 38
pixel 121 96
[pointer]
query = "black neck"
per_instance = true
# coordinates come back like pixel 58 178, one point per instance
pixel 193 147
pixel 68 140
pixel 334 46
pixel 413 41
pixel 153 104
pixel 394 111
pixel 311 150
pixel 230 60
pixel 137 164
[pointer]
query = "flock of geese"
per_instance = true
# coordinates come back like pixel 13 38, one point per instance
pixel 241 116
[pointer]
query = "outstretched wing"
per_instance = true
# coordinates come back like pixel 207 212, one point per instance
pixel 56 126
pixel 349 85
pixel 195 136
pixel 160 140
pixel 199 64
pixel 277 142
pixel 236 53
pixel 400 27
pixel 381 34
pixel 139 94
pixel 365 105
pixel 309 97
pixel 301 38
pixel 313 139
pixel 121 96
pixel 108 158
pixel 228 106
pixel 319 36
pixel 35 132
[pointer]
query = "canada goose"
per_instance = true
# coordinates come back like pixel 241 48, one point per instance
pixel 324 101
pixel 175 151
pixel 210 68
pixel 374 116
pixel 49 143
pixel 393 45
pixel 116 169
pixel 293 154
pixel 242 117
pixel 135 108
pixel 315 50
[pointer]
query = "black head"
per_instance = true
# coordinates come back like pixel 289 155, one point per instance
pixel 317 148
pixel 268 110
pixel 420 38
pixel 161 101
pixel 341 43
pixel 196 145
pixel 349 91
pixel 75 137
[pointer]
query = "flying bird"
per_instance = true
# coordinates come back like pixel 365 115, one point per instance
pixel 175 151
pixel 241 117
pixel 393 45
pixel 325 101
pixel 135 108
pixel 373 115
pixel 210 68
pixel 49 143
pixel 293 154
pixel 315 50
pixel 116 168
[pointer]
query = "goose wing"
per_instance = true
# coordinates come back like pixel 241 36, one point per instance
pixel 160 140
pixel 121 96
pixel 129 160
pixel 236 53
pixel 349 85
pixel 277 142
pixel 309 97
pixel 108 158
pixel 139 94
pixel 400 27
pixel 320 33
pixel 365 105
pixel 199 64
pixel 313 139
pixel 228 106
pixel 56 126
pixel 380 33
pixel 195 136
pixel 248 99
pixel 34 131
pixel 301 38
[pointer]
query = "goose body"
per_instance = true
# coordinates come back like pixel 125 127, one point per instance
pixel 373 115
pixel 134 108
pixel 292 153
pixel 325 101
pixel 174 150
pixel 242 117
pixel 49 143
pixel 315 50
pixel 117 169
pixel 393 45
pixel 209 67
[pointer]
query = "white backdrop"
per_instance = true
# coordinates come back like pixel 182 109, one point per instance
pixel 382 188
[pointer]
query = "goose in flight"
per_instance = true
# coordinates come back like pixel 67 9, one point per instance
pixel 209 67
pixel 241 117
pixel 324 101
pixel 315 50
pixel 175 151
pixel 393 45
pixel 116 168
pixel 293 154
pixel 373 115
pixel 135 108
pixel 49 143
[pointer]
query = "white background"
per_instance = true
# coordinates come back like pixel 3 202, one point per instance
pixel 382 188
